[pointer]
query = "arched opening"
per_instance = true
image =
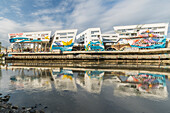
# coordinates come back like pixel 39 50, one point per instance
pixel 110 49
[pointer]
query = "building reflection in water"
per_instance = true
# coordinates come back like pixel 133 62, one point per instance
pixel 146 85
pixel 64 79
pixel 92 81
pixel 31 78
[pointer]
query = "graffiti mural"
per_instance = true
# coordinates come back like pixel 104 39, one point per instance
pixel 30 37
pixel 95 46
pixel 63 45
pixel 64 79
pixel 146 39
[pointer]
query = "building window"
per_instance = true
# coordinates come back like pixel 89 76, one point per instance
pixel 70 36
pixel 92 32
pixel 105 36
pixel 93 35
pixel 129 29
pixel 70 32
pixel 161 27
pixel 161 33
pixel 62 37
pixel 123 30
pixel 12 36
pixel 133 34
pixel 61 33
pixel 28 35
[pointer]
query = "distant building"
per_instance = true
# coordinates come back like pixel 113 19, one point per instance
pixel 109 39
pixel 91 39
pixel 130 31
pixel 63 40
pixel 143 35
pixel 34 41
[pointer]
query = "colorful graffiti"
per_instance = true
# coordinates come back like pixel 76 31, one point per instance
pixel 145 81
pixel 64 80
pixel 95 46
pixel 27 40
pixel 93 81
pixel 146 39
pixel 95 74
pixel 63 45
pixel 62 74
pixel 152 43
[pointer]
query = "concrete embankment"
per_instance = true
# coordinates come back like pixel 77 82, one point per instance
pixel 156 55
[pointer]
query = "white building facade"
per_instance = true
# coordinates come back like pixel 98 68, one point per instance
pixel 91 39
pixel 150 36
pixel 30 40
pixel 63 40
pixel 109 39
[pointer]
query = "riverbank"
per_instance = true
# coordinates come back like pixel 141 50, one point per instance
pixel 144 55
pixel 6 107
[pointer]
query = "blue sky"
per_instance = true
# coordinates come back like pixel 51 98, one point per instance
pixel 38 15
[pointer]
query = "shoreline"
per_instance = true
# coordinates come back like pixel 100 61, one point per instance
pixel 6 107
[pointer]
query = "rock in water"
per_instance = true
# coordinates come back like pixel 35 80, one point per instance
pixel 14 107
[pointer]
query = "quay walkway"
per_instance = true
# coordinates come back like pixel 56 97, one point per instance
pixel 154 54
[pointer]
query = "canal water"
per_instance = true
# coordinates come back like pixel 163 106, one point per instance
pixel 86 90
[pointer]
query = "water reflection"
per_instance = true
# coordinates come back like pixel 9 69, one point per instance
pixel 92 81
pixel 64 79
pixel 125 83
pixel 142 84
pixel 30 78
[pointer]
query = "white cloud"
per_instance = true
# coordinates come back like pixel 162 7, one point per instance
pixel 17 10
pixel 42 3
pixel 46 11
pixel 6 27
pixel 3 11
pixel 83 14
pixel 10 26
pixel 92 13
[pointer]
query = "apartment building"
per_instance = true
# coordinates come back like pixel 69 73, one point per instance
pixel 91 39
pixel 149 36
pixel 34 41
pixel 63 40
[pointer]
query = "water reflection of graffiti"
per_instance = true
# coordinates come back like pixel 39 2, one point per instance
pixel 25 80
pixel 64 80
pixel 92 81
pixel 143 84
pixel 125 83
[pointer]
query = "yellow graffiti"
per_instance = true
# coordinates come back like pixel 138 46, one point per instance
pixel 100 41
pixel 67 77
pixel 47 38
pixel 150 35
pixel 67 43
